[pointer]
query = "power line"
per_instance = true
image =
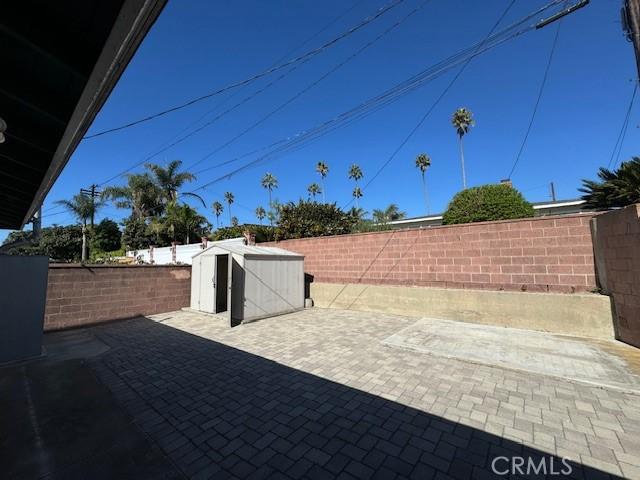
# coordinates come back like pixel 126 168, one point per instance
pixel 313 84
pixel 255 77
pixel 535 107
pixel 373 104
pixel 436 102
pixel 623 129
pixel 179 139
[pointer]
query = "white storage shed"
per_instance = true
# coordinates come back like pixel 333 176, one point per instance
pixel 247 282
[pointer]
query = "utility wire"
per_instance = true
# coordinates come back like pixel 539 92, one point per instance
pixel 540 92
pixel 179 139
pixel 394 93
pixel 246 81
pixel 623 130
pixel 437 101
pixel 311 85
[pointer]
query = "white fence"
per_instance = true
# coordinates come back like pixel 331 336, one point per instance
pixel 174 254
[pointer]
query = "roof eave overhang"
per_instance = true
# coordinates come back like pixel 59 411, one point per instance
pixel 134 21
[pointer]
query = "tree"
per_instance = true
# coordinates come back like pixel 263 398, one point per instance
pixel 106 236
pixel 615 189
pixel 260 214
pixel 487 203
pixel 82 208
pixel 217 209
pixel 269 182
pixel 314 189
pixel 357 194
pixel 313 219
pixel 322 169
pixel 234 221
pixel 169 180
pixel 136 234
pixel 229 198
pixel 185 221
pixel 462 120
pixel 59 243
pixel 389 214
pixel 355 173
pixel 423 161
pixel 141 195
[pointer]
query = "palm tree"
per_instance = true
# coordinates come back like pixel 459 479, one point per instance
pixel 82 208
pixel 314 189
pixel 322 169
pixel 389 214
pixel 616 189
pixel 462 120
pixel 229 198
pixel 269 182
pixel 169 180
pixel 234 221
pixel 355 173
pixel 423 161
pixel 184 218
pixel 260 214
pixel 141 195
pixel 357 194
pixel 217 209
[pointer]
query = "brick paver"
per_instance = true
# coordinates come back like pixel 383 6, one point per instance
pixel 316 394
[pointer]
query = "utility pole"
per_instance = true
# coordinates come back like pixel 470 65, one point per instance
pixel 553 191
pixel 93 193
pixel 631 26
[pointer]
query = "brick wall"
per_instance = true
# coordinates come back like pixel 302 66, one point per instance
pixel 547 254
pixel 78 295
pixel 617 247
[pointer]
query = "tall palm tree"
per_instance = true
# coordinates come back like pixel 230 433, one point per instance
pixel 462 121
pixel 260 214
pixel 314 189
pixel 423 161
pixel 269 182
pixel 229 198
pixel 82 208
pixel 169 180
pixel 141 195
pixel 355 173
pixel 217 209
pixel 357 194
pixel 322 169
pixel 234 221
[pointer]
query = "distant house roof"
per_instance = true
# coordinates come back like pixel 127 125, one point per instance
pixel 60 61
pixel 558 207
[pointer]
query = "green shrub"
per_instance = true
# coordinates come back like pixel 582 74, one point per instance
pixel 313 219
pixel 487 203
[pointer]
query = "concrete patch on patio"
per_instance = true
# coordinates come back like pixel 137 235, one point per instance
pixel 597 362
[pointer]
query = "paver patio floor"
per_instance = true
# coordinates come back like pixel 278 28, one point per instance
pixel 317 394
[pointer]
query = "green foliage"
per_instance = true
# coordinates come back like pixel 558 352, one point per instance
pixel 615 189
pixel 106 236
pixel 59 243
pixel 486 203
pixel 136 234
pixel 262 233
pixel 462 121
pixel 312 219
pixel 389 214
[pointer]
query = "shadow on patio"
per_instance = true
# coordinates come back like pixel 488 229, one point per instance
pixel 220 412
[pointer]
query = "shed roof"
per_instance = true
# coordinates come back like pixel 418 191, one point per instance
pixel 252 250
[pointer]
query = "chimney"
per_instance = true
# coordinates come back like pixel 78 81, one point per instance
pixel 249 238
pixel 506 181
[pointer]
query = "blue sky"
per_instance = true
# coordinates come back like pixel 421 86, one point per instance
pixel 198 46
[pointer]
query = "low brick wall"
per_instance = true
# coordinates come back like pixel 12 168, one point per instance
pixel 546 254
pixel 82 295
pixel 617 241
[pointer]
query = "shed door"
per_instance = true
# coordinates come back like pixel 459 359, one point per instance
pixel 221 284
pixel 207 282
